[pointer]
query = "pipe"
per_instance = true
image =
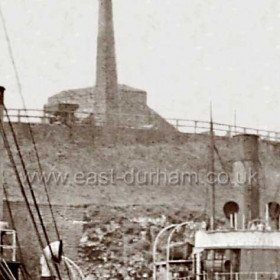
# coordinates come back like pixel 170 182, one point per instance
pixel 235 221
pixel 51 253
pixel 231 221
pixel 267 215
pixel 71 264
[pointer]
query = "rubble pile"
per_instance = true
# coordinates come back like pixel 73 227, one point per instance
pixel 117 242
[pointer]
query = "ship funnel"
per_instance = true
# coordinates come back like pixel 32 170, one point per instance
pixel 52 253
pixel 248 164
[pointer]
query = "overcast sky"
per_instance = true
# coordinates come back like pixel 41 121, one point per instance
pixel 184 53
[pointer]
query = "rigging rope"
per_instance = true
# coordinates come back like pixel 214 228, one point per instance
pixel 11 52
pixel 31 189
pixel 28 123
pixel 7 269
pixel 13 163
pixel 32 137
pixel 14 228
pixel 31 133
pixel 3 273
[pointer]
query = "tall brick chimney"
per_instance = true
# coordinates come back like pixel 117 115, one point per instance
pixel 107 101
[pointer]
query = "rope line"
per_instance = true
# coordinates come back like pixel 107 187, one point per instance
pixel 14 228
pixel 33 142
pixel 32 192
pixel 29 125
pixel 6 194
pixel 13 163
pixel 11 52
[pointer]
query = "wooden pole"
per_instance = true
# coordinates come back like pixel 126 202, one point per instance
pixel 2 150
pixel 235 122
pixel 212 163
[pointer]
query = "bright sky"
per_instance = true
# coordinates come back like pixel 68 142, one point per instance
pixel 184 53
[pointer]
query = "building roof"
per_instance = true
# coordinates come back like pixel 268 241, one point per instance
pixel 91 90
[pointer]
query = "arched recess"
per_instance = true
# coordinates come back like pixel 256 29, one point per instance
pixel 231 208
pixel 273 215
pixel 274 210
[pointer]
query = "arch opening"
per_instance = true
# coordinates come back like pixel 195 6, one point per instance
pixel 230 208
pixel 274 210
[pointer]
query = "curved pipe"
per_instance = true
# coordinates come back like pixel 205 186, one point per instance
pixel 168 244
pixel 72 265
pixel 155 247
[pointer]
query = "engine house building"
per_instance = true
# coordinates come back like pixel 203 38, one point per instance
pixel 108 102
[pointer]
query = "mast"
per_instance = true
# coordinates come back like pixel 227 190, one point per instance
pixel 2 89
pixel 212 168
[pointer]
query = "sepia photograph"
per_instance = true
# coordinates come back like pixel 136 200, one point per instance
pixel 139 140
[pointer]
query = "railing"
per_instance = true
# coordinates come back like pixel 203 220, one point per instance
pixel 182 125
pixel 29 115
pixel 247 276
pixel 10 248
pixel 232 276
pixel 221 129
pixel 42 116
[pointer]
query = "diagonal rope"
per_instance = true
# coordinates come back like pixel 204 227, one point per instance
pixel 11 52
pixel 6 194
pixel 31 190
pixel 7 269
pixel 3 272
pixel 31 134
pixel 13 163
pixel 29 125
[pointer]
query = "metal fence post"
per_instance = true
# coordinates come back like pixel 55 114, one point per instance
pixel 18 113
pixel 229 130
pixel 177 124
pixel 256 275
pixel 216 276
pixel 14 246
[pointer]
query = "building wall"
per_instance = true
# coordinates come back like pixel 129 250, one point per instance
pixel 77 148
pixel 132 111
pixel 265 166
pixel 253 260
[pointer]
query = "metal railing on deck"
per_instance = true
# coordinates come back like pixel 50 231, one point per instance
pixel 8 250
pixel 232 276
pixel 182 125
pixel 247 276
